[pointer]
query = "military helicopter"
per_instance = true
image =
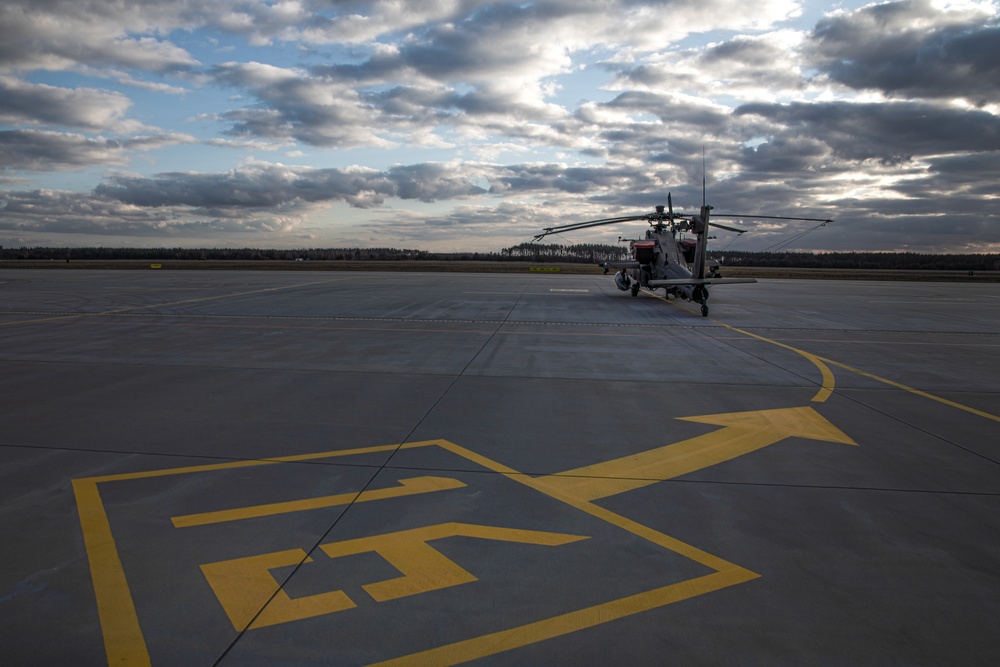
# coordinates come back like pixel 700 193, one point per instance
pixel 678 265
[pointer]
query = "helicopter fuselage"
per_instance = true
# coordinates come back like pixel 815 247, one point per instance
pixel 661 257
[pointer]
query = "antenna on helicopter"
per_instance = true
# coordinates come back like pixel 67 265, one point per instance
pixel 704 171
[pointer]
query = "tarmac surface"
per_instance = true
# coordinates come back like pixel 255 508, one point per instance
pixel 256 468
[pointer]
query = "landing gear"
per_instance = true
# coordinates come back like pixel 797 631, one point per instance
pixel 700 295
pixel 635 288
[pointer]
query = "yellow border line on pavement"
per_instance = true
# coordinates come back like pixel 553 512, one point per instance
pixel 827 386
pixel 827 383
pixel 913 390
pixel 123 640
pixel 125 644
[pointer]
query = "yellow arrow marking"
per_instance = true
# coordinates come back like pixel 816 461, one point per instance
pixel 743 432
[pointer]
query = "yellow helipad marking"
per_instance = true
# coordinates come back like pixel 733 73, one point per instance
pixel 241 583
pixel 245 587
pixel 743 432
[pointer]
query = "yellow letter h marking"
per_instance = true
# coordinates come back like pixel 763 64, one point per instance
pixel 244 585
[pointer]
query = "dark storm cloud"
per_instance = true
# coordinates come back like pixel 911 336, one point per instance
pixel 888 132
pixel 911 49
pixel 971 174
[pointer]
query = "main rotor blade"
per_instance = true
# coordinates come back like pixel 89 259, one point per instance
pixel 728 229
pixel 590 223
pixel 767 217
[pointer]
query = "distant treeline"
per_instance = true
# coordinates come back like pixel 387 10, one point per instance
pixel 526 252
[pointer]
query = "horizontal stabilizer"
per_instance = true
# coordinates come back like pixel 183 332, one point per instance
pixel 702 281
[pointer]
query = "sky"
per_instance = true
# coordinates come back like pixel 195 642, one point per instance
pixel 453 125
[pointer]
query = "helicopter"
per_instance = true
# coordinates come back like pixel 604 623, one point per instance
pixel 662 259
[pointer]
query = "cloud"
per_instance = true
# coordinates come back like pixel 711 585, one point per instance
pixel 34 150
pixel 888 132
pixel 497 116
pixel 745 66
pixel 40 150
pixel 275 186
pixel 41 104
pixel 297 106
pixel 60 35
pixel 913 49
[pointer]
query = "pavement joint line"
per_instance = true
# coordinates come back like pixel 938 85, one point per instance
pixel 411 320
pixel 393 450
pixel 867 332
pixel 223 460
pixel 178 302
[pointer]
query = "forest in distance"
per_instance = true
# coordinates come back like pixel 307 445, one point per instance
pixel 526 252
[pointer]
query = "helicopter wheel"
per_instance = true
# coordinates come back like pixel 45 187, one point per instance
pixel 635 288
pixel 704 310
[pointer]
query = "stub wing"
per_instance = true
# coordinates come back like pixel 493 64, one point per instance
pixel 700 281
pixel 620 265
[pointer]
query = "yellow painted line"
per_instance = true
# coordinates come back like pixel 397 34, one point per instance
pixel 821 363
pixel 558 626
pixel 827 384
pixel 123 640
pixel 914 391
pixel 743 432
pixel 543 485
pixel 409 487
pixel 249 463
